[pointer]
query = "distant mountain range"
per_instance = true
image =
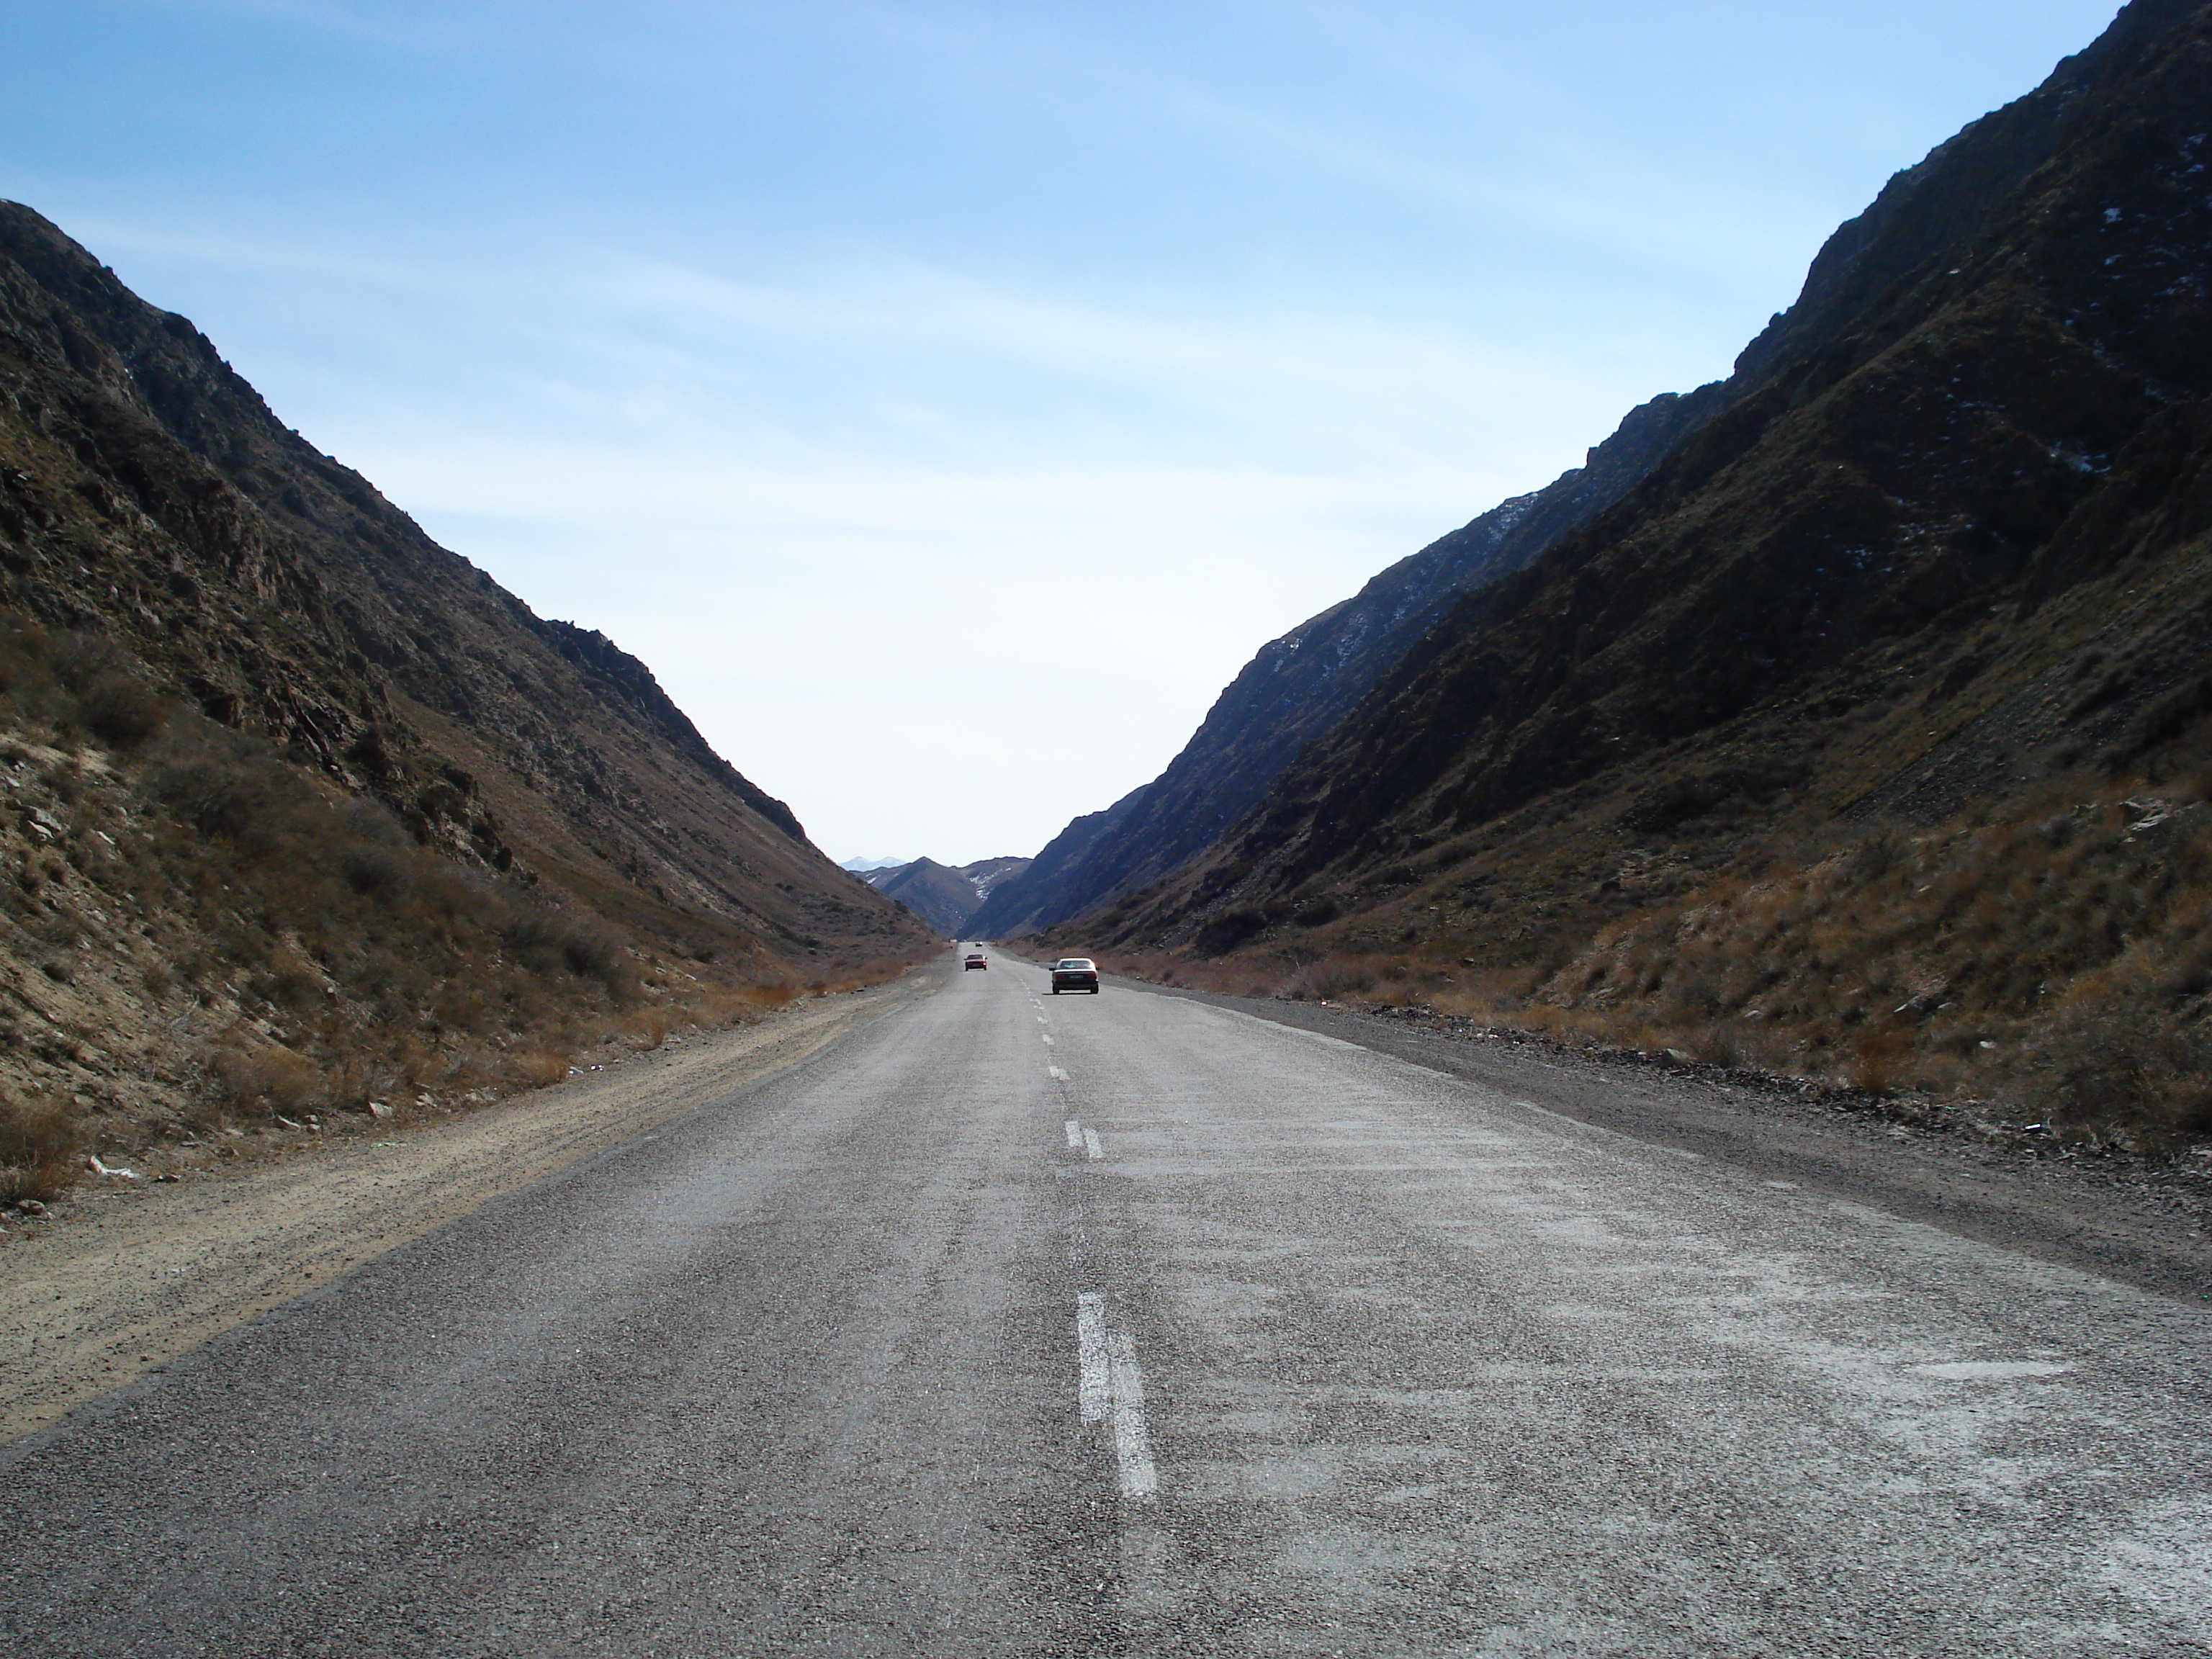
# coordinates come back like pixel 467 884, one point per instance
pixel 948 899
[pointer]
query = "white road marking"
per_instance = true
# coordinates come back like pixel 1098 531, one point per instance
pixel 1294 1030
pixel 1315 1037
pixel 1047 1038
pixel 1091 1149
pixel 1074 1136
pixel 1111 1386
pixel 1041 1019
pixel 1055 1074
pixel 1133 1444
pixel 1093 1388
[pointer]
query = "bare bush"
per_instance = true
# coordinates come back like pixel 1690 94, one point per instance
pixel 261 1082
pixel 536 1068
pixel 122 712
pixel 39 1140
pixel 2122 1066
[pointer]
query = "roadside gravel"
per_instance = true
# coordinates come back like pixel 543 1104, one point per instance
pixel 121 1281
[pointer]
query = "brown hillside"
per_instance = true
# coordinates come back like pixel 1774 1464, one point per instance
pixel 294 794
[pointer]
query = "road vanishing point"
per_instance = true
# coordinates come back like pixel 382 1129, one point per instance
pixel 1011 1324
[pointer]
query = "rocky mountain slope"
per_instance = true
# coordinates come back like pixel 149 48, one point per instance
pixel 1300 685
pixel 1938 559
pixel 209 630
pixel 153 499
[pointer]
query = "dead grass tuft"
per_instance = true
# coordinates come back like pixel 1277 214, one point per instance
pixel 39 1144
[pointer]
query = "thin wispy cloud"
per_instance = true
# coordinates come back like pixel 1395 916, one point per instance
pixel 864 364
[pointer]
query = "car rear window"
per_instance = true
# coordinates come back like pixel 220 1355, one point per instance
pixel 1075 961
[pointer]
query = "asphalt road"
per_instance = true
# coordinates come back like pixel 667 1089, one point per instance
pixel 1014 1324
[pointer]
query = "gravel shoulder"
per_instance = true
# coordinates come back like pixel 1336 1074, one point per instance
pixel 125 1280
pixel 2143 1224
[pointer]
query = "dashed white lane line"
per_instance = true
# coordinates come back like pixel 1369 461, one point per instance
pixel 1047 1038
pixel 1091 1149
pixel 1074 1136
pixel 1109 1386
pixel 1133 1442
pixel 1093 1386
pixel 1055 1074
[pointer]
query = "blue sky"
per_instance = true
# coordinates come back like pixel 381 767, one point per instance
pixel 946 400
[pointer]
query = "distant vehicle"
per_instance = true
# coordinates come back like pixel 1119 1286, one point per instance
pixel 1075 974
pixel 974 960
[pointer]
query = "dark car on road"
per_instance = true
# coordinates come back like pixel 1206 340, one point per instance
pixel 974 960
pixel 1075 974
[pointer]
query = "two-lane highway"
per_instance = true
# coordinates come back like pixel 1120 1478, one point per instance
pixel 1022 1324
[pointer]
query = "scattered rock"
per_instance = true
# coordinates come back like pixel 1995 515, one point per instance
pixel 380 1111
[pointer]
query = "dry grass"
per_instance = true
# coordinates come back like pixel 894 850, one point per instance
pixel 2061 957
pixel 2053 951
pixel 39 1144
pixel 168 874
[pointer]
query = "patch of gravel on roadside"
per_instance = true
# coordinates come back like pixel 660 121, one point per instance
pixel 113 1284
pixel 2182 1183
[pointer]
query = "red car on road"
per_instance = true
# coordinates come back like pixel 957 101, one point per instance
pixel 974 960
pixel 1075 974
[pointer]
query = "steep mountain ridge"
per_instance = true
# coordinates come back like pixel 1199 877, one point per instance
pixel 150 495
pixel 1300 685
pixel 1943 557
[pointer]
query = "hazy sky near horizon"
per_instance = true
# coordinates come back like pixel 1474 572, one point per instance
pixel 946 400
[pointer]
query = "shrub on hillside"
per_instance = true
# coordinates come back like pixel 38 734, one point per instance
pixel 2128 1068
pixel 38 1146
pixel 122 712
pixel 2063 955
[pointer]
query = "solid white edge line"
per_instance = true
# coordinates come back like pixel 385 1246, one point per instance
pixel 1074 1136
pixel 1133 1444
pixel 1093 1388
pixel 1091 1149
